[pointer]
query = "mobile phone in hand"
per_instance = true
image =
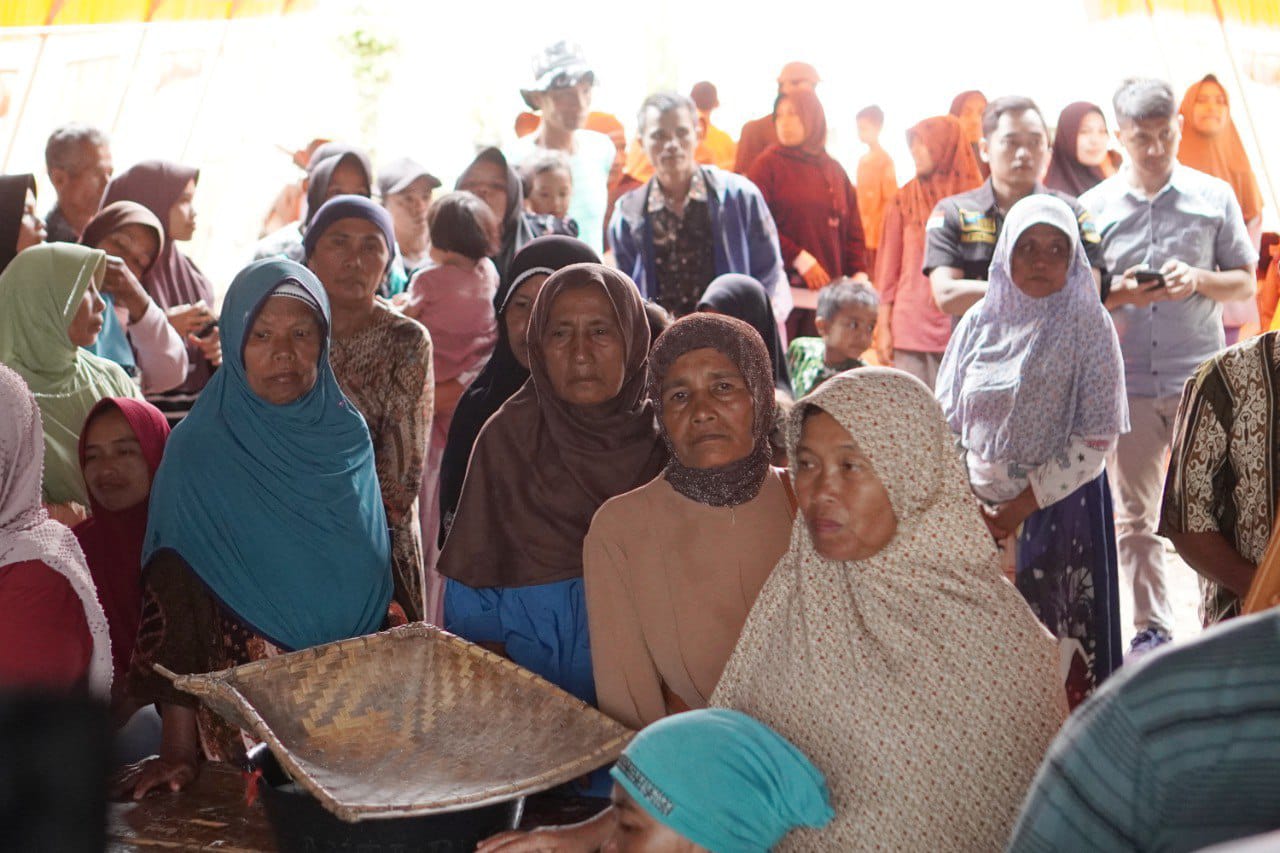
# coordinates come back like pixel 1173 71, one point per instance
pixel 1149 279
pixel 207 329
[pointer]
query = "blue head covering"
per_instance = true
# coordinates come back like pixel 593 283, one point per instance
pixel 723 780
pixel 276 508
pixel 349 207
pixel 112 342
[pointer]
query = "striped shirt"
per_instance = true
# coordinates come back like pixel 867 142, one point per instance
pixel 1173 754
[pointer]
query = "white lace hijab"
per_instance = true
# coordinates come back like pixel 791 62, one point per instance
pixel 27 532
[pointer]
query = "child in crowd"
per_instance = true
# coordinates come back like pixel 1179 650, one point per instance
pixel 846 320
pixel 453 298
pixel 548 187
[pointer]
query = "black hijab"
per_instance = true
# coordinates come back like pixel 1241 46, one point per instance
pixel 13 204
pixel 503 375
pixel 743 297
pixel 320 170
pixel 1066 173
pixel 516 228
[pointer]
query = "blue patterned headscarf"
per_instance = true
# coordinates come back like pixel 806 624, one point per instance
pixel 1022 374
pixel 723 780
pixel 276 508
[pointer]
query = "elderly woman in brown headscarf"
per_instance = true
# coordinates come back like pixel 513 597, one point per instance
pixel 579 432
pixel 673 567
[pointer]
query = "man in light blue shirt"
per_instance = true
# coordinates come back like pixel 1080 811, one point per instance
pixel 1156 216
pixel 561 94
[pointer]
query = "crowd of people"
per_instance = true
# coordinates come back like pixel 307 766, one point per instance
pixel 954 416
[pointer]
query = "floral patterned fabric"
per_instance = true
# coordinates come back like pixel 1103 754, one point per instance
pixel 683 247
pixel 386 370
pixel 916 680
pixel 807 363
pixel 186 631
pixel 1022 374
pixel 1224 469
pixel 1067 572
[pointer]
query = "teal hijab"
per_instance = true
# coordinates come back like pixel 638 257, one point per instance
pixel 723 780
pixel 276 508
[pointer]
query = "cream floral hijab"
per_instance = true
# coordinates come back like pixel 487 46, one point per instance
pixel 917 680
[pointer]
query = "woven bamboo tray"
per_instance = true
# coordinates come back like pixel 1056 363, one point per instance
pixel 411 721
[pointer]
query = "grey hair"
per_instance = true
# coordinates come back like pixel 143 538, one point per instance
pixel 845 293
pixel 1143 98
pixel 62 151
pixel 665 102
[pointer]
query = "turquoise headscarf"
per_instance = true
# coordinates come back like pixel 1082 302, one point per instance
pixel 276 508
pixel 723 780
pixel 113 343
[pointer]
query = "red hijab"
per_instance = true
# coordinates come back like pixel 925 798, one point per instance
pixel 112 541
pixel 954 168
pixel 812 116
pixel 814 147
pixel 1221 155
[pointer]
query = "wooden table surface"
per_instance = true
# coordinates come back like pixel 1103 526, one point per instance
pixel 210 815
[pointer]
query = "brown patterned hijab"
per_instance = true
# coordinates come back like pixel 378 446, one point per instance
pixel 542 467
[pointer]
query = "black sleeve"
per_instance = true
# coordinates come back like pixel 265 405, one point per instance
pixel 942 238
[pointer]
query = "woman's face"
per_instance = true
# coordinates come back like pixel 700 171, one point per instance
pixel 350 258
pixel 516 316
pixel 583 346
pixel 707 409
pixel 1091 140
pixel 347 178
pixel 788 124
pixel 31 229
pixel 1209 112
pixel 489 181
pixel 182 216
pixel 845 506
pixel 282 350
pixel 923 157
pixel 115 470
pixel 637 832
pixel 136 245
pixel 1040 261
pixel 86 323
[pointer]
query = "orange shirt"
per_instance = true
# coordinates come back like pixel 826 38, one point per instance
pixel 717 149
pixel 877 185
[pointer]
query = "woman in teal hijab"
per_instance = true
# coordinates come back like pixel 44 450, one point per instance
pixel 49 309
pixel 707 781
pixel 266 529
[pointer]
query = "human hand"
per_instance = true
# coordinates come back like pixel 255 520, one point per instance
pixel 815 277
pixel 210 345
pixel 123 286
pixel 69 513
pixel 1007 516
pixel 883 344
pixel 1180 278
pixel 1127 290
pixel 988 518
pixel 137 779
pixel 188 319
